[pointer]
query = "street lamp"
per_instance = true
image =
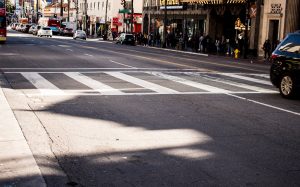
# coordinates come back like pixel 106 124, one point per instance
pixel 131 28
pixel 247 4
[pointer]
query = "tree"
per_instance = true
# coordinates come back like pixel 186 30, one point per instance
pixel 10 7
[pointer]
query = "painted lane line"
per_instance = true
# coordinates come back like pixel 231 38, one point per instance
pixel 151 86
pixel 88 55
pixel 69 49
pixel 122 64
pixel 266 76
pixel 233 75
pixel 264 104
pixel 97 86
pixel 231 83
pixel 190 83
pixel 44 86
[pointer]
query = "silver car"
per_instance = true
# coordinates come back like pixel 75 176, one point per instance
pixel 79 34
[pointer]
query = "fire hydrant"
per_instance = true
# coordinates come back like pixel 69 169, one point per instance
pixel 236 53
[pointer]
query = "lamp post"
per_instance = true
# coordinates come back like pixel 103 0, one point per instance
pixel 131 28
pixel 37 11
pixel 247 3
pixel 165 26
pixel 105 24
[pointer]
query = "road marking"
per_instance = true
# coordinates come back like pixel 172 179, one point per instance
pixel 190 83
pixel 122 64
pixel 97 86
pixel 8 54
pixel 65 46
pixel 69 49
pixel 232 83
pixel 44 86
pixel 88 55
pixel 246 78
pixel 264 104
pixel 148 85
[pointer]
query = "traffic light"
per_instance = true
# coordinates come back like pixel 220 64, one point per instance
pixel 123 2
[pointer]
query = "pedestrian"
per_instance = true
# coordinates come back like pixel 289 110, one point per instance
pixel 267 49
pixel 217 43
pixel 201 43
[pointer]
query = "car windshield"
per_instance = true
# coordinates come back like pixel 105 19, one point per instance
pixel 46 28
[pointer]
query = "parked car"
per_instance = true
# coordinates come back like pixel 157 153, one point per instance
pixel 44 31
pixel 35 29
pixel 30 31
pixel 55 30
pixel 67 32
pixel 126 38
pixel 79 34
pixel 285 68
pixel 26 28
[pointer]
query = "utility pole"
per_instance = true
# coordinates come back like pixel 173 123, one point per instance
pixel 165 26
pixel 105 25
pixel 246 43
pixel 37 11
pixel 76 14
pixel 68 10
pixel 61 9
pixel 85 17
pixel 131 28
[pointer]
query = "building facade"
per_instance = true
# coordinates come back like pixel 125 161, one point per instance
pixel 107 13
pixel 242 24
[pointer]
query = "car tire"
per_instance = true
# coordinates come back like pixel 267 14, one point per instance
pixel 287 86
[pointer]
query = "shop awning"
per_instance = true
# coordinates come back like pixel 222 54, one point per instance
pixel 213 1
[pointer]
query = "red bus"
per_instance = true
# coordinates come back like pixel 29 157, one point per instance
pixel 2 21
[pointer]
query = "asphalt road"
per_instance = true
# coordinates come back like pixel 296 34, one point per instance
pixel 95 113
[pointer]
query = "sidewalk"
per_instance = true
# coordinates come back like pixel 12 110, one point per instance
pixel 17 165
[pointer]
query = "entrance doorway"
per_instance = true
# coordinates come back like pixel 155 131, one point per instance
pixel 273 34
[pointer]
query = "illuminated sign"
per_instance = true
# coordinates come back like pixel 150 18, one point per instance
pixel 169 2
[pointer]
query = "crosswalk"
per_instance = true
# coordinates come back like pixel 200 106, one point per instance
pixel 138 82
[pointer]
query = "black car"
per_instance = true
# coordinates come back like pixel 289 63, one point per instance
pixel 285 68
pixel 126 38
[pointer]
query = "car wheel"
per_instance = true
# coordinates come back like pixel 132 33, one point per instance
pixel 287 86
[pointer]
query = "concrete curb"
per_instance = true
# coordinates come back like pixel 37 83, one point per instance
pixel 17 164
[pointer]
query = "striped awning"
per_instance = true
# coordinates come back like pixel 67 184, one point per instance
pixel 213 1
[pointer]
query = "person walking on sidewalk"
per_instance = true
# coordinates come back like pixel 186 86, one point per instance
pixel 267 49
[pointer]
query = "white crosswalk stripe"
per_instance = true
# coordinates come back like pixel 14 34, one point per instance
pixel 246 78
pixel 236 84
pixel 167 82
pixel 44 86
pixel 96 85
pixel 142 83
pixel 191 83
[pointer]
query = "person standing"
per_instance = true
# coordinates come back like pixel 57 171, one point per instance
pixel 267 49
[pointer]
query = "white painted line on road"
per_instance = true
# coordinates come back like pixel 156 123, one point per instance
pixel 190 83
pixel 151 86
pixel 69 49
pixel 264 104
pixel 97 86
pixel 65 46
pixel 233 75
pixel 43 85
pixel 232 83
pixel 266 76
pixel 88 55
pixel 122 64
